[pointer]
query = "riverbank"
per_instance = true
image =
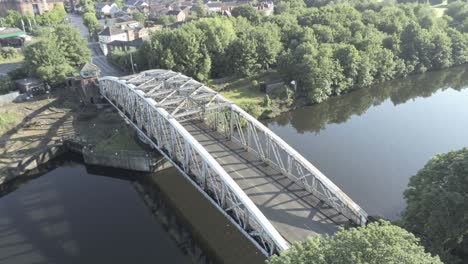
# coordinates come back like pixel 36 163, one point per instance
pixel 246 92
pixel 34 132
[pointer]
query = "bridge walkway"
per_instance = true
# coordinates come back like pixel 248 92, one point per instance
pixel 295 213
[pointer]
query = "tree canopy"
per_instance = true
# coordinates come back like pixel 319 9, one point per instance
pixel 436 205
pixel 57 53
pixel 327 47
pixel 52 17
pixel 378 242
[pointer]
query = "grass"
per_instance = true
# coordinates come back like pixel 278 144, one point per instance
pixel 121 139
pixel 7 121
pixel 243 90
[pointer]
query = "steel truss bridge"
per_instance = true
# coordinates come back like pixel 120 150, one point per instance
pixel 202 134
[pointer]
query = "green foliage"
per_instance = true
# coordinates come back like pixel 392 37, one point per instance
pixel 248 12
pixel 91 22
pixel 8 53
pixel 458 11
pixel 379 242
pixel 89 17
pixel 330 48
pixel 52 17
pixel 140 17
pixel 436 205
pixel 6 84
pixel 341 47
pixel 56 54
pixel 15 19
pixel 200 9
pixel 122 59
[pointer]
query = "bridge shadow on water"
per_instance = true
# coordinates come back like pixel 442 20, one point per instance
pixel 40 222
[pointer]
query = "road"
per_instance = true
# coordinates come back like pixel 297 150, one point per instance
pixel 293 212
pixel 97 57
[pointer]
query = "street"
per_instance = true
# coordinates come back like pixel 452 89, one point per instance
pixel 97 56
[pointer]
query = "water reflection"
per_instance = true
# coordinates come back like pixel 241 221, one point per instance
pixel 370 142
pixel 339 109
pixel 72 216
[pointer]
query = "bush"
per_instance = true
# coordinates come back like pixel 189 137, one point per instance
pixel 6 85
pixel 252 108
pixel 18 73
pixel 8 52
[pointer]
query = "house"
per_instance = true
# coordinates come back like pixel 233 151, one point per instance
pixel 110 34
pixel 24 7
pixel 106 10
pixel 180 15
pixel 138 5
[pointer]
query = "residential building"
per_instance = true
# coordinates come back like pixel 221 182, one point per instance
pixel 180 15
pixel 24 7
pixel 106 10
pixel 110 34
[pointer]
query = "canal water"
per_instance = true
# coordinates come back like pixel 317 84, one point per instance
pixel 371 141
pixel 70 215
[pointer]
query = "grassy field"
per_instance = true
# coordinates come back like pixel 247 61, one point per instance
pixel 8 120
pixel 246 90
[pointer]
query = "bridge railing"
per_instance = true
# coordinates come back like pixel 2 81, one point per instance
pixel 168 136
pixel 239 126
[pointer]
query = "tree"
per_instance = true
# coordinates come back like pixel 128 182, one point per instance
pixel 72 44
pixel 218 34
pixel 56 54
pixel 46 60
pixel 200 9
pixel 248 12
pixel 140 17
pixel 91 22
pixel 52 17
pixel 378 242
pixel 267 36
pixel 436 205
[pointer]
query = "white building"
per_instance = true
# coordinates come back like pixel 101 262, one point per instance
pixel 103 10
pixel 110 34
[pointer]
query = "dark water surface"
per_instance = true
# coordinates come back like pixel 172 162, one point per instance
pixel 371 141
pixel 69 215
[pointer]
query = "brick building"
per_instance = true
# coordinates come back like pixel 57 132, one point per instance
pixel 33 7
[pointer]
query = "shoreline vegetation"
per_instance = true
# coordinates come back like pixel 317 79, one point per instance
pixel 318 49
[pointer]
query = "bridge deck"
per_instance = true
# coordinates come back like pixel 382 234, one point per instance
pixel 293 212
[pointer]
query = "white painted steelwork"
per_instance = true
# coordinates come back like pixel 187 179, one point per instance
pixel 156 101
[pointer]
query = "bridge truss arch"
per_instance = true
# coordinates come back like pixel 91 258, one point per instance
pixel 157 102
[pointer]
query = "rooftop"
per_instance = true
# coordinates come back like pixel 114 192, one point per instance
pixel 111 31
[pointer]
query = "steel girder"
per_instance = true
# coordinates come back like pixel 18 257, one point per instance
pixel 166 134
pixel 239 126
pixel 156 101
